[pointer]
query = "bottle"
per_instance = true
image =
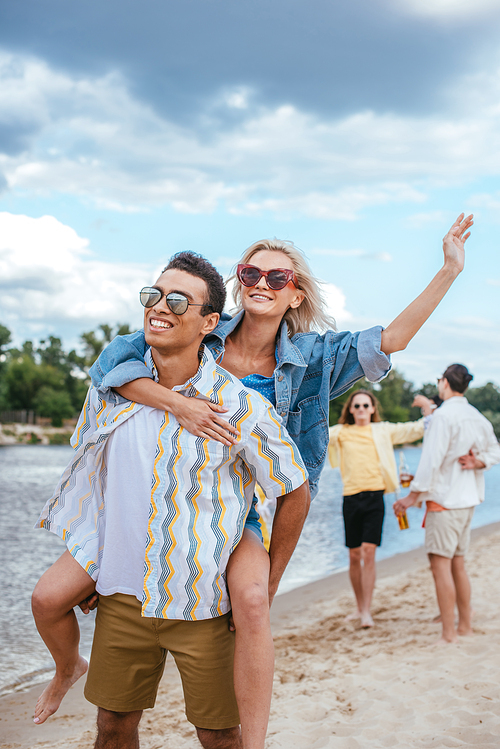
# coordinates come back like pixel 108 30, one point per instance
pixel 403 522
pixel 405 476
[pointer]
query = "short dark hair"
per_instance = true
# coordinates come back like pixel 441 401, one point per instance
pixel 197 265
pixel 458 377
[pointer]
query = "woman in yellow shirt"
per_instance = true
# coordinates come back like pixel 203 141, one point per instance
pixel 361 446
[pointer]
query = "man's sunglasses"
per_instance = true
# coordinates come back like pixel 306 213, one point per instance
pixel 176 302
pixel 361 405
pixel 276 279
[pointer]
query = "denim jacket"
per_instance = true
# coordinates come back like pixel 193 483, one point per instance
pixel 311 371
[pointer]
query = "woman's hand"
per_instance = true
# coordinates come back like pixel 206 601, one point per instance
pixel 201 418
pixel 454 241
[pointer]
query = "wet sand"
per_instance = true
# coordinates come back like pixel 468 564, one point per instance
pixel 337 685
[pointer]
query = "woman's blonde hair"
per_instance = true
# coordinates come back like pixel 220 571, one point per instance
pixel 346 416
pixel 310 314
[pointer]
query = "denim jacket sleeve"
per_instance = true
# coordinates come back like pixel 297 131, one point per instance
pixel 121 361
pixel 375 364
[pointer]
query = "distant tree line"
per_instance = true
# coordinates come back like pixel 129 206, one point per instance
pixel 51 382
pixel 46 379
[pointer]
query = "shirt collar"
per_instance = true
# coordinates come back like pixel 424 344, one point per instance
pixel 203 382
pixel 287 352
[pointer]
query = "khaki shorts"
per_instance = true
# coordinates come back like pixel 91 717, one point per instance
pixel 128 658
pixel 447 533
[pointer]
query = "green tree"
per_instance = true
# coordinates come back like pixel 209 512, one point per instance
pixel 54 404
pixel 485 398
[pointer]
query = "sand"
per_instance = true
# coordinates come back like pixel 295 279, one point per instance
pixel 337 685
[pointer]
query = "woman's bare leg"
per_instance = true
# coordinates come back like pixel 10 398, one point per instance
pixel 61 588
pixel 247 578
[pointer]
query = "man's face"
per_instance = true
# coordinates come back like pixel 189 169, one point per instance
pixel 362 409
pixel 169 333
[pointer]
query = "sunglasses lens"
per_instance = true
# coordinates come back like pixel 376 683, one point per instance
pixel 249 276
pixel 277 279
pixel 177 303
pixel 149 296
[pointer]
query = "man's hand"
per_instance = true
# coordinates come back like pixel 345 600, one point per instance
pixel 401 505
pixel 89 603
pixel 202 419
pixel 454 241
pixel 425 404
pixel 469 462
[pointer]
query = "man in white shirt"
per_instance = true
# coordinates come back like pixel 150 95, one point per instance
pixel 153 512
pixel 459 445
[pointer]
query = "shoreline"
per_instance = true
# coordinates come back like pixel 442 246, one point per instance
pixel 318 655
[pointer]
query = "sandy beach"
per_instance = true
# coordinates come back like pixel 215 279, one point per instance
pixel 337 685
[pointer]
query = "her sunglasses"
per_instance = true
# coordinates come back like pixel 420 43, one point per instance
pixel 176 302
pixel 361 405
pixel 276 279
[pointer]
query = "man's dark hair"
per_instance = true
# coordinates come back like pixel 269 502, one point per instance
pixel 196 265
pixel 458 377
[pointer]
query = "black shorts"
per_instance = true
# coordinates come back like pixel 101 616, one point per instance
pixel 363 518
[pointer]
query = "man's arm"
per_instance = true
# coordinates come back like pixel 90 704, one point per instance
pixel 289 518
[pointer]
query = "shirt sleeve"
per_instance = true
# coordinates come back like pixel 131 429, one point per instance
pixel 272 457
pixel 355 355
pixel 490 453
pixel 121 361
pixel 406 431
pixel 434 450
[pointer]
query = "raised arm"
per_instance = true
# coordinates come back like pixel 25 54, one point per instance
pixel 399 333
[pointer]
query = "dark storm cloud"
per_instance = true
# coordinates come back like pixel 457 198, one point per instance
pixel 328 56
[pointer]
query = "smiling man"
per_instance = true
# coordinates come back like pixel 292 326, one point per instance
pixel 164 512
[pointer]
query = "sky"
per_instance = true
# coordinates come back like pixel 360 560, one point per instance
pixel 359 130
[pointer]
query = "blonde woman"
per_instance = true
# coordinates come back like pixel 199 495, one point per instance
pixel 272 346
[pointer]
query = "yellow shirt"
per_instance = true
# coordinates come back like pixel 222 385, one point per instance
pixel 385 434
pixel 359 462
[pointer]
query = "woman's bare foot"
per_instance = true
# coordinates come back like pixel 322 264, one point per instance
pixel 352 617
pixel 52 695
pixel 443 641
pixel 465 632
pixel 366 620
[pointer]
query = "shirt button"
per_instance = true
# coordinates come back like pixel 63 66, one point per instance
pixel 283 413
pixel 280 378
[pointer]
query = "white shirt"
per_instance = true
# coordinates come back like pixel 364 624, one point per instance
pixel 456 427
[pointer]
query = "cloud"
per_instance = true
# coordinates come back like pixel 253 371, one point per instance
pixel 92 138
pixel 493 281
pixel 52 282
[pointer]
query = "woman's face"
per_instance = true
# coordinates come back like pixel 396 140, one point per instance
pixel 362 409
pixel 260 299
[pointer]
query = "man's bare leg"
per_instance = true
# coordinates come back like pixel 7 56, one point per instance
pixel 61 588
pixel 117 730
pixel 446 596
pixel 368 575
pixel 227 738
pixel 247 579
pixel 463 593
pixel 355 576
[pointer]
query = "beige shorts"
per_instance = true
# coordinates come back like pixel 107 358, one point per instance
pixel 447 533
pixel 128 658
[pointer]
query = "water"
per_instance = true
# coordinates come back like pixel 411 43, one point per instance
pixel 28 475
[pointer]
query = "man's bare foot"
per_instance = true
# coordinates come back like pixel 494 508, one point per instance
pixel 52 695
pixel 366 620
pixel 352 617
pixel 465 632
pixel 437 618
